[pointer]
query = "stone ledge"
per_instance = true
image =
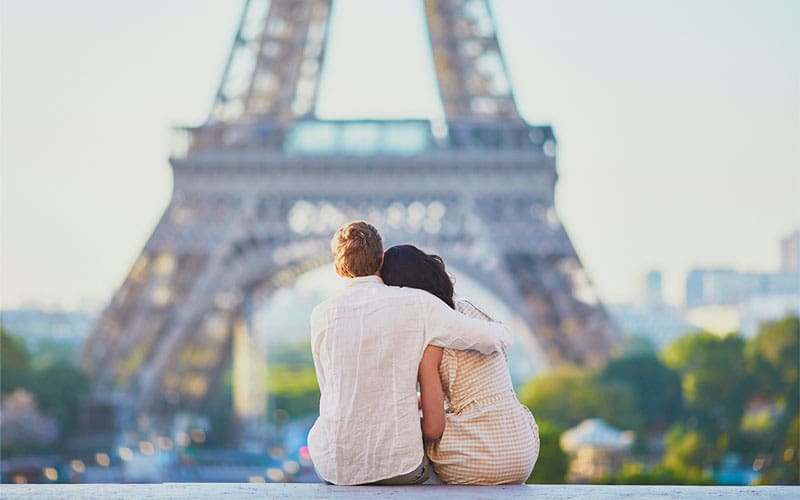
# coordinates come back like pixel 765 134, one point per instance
pixel 247 490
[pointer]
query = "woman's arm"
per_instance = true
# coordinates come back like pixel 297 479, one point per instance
pixel 431 394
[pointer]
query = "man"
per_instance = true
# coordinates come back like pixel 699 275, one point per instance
pixel 367 342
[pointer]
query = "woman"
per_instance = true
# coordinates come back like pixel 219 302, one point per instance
pixel 489 437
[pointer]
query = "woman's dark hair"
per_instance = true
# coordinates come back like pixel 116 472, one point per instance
pixel 407 265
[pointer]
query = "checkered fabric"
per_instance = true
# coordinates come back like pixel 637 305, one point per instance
pixel 489 437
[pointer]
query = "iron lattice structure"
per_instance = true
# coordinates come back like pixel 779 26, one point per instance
pixel 260 187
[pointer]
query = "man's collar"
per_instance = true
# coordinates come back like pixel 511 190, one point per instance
pixel 365 279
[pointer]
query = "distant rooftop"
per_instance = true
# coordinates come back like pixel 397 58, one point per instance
pixel 596 433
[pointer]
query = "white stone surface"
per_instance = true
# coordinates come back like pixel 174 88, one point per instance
pixel 246 490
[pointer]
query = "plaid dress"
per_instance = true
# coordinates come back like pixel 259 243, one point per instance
pixel 489 437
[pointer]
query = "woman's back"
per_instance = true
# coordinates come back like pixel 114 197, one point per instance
pixel 489 437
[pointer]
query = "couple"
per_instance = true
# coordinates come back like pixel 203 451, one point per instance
pixel 372 344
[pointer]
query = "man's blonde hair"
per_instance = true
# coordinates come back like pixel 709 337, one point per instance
pixel 357 249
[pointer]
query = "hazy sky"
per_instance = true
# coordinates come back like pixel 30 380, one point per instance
pixel 678 124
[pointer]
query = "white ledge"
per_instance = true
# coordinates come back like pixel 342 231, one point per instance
pixel 247 490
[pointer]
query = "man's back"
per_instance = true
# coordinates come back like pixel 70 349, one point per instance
pixel 367 343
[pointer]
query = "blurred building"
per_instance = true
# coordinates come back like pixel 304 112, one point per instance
pixel 596 449
pixel 718 300
pixel 725 300
pixel 661 325
pixel 653 289
pixel 790 253
pixel 33 325
pixel 649 316
pixel 762 308
pixel 718 319
pixel 708 286
pixel 720 286
pixel 721 300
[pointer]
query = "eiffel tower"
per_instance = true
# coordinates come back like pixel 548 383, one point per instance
pixel 261 186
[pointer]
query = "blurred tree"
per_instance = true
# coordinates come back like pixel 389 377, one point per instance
pixel 293 354
pixel 714 380
pixel 773 358
pixel 220 413
pixel 552 465
pixel 47 351
pixel 25 429
pixel 292 381
pixel 15 365
pixel 58 389
pixel 633 344
pixel 689 451
pixel 293 389
pixel 656 388
pixel 568 395
pixel 758 434
pixel 785 466
pixel 55 385
pixel 635 473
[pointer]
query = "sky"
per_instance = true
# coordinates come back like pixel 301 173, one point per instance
pixel 678 124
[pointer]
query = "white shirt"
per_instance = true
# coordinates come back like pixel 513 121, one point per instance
pixel 367 343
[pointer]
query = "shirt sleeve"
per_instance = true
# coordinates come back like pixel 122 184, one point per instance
pixel 467 308
pixel 445 327
pixel 317 326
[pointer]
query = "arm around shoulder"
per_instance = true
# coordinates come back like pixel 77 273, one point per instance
pixel 448 328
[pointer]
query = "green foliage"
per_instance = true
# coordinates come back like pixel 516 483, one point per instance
pixel 716 386
pixel 656 389
pixel 293 389
pixel 719 377
pixel 569 395
pixel 220 413
pixel 58 389
pixel 552 465
pixel 785 468
pixel 633 344
pixel 700 387
pixel 758 423
pixel 635 473
pixel 48 351
pixel 689 450
pixel 15 365
pixel 773 358
pixel 296 354
pixel 292 381
pixel 56 384
pixel 25 430
pixel 713 377
pixel 758 433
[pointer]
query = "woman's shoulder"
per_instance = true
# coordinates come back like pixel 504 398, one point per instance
pixel 467 308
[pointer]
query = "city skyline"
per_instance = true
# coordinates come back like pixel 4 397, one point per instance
pixel 94 122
